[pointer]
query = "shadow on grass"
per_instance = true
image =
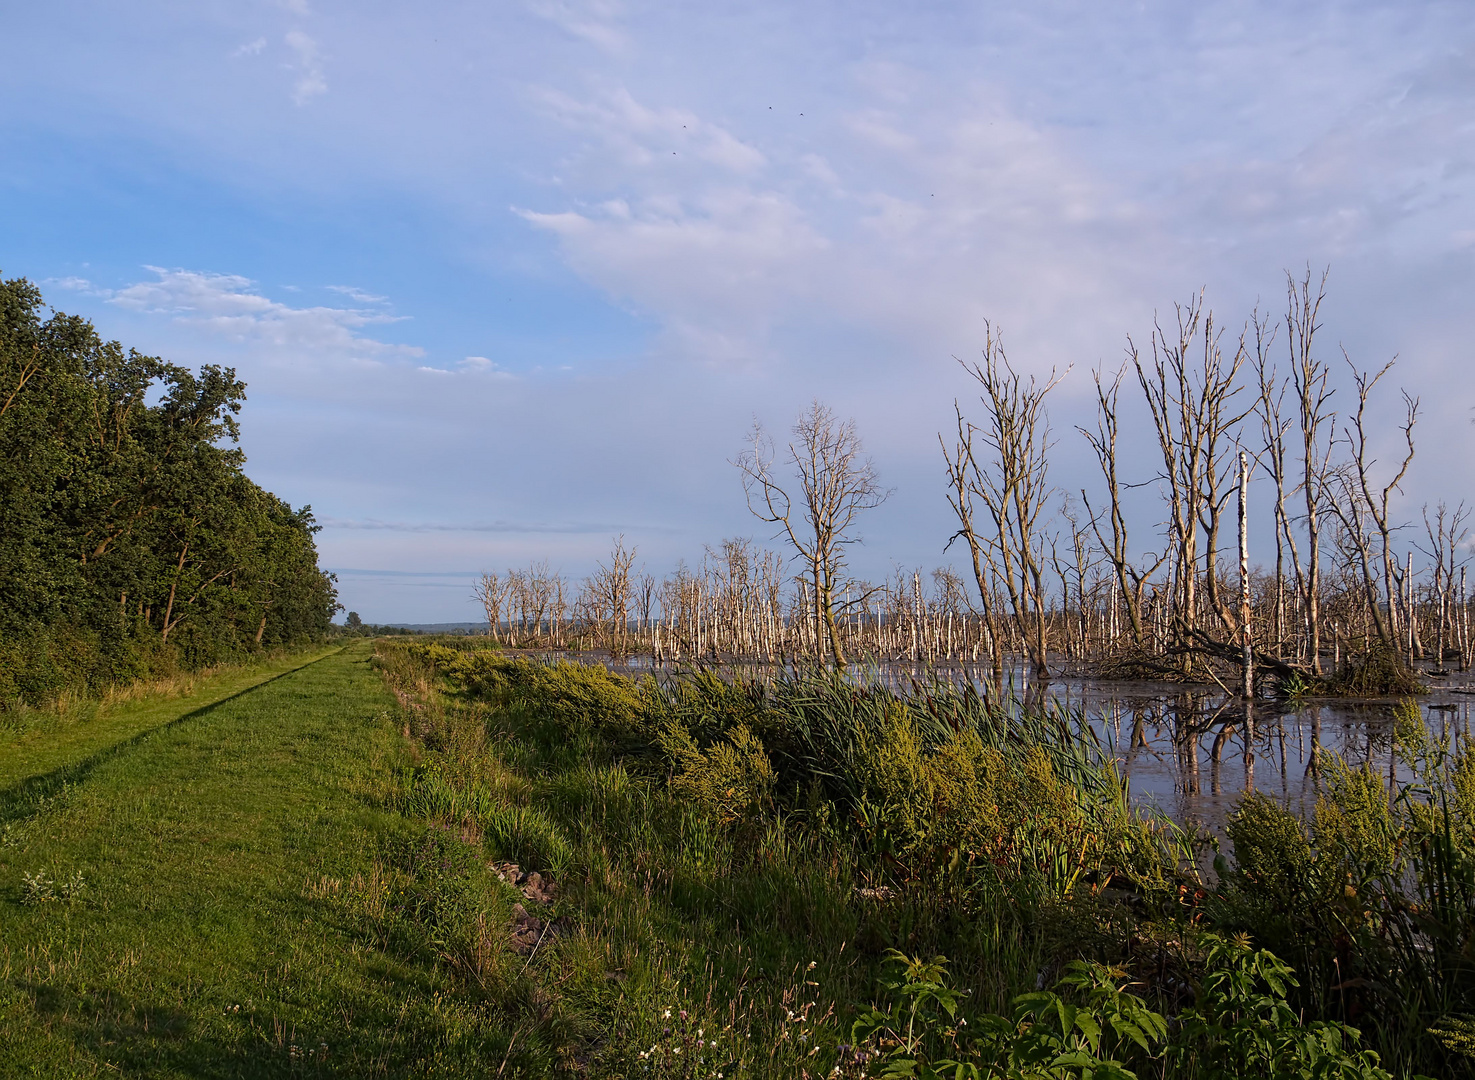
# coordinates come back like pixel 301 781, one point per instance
pixel 28 798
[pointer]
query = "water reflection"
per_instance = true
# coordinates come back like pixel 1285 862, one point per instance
pixel 1192 751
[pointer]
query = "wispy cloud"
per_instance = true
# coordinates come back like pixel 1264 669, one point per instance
pixel 72 284
pixel 357 294
pixel 231 306
pixel 308 67
pixel 371 524
pixel 593 21
pixel 251 48
pixel 641 135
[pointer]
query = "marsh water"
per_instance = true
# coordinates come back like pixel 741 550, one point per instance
pixel 1191 751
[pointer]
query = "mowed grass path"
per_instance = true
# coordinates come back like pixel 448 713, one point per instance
pixel 44 750
pixel 210 937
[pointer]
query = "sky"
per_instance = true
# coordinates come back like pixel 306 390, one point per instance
pixel 506 280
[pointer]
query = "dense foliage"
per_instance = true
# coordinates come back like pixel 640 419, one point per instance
pixel 132 540
pixel 808 817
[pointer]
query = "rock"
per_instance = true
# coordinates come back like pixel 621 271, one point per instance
pixel 534 886
pixel 526 930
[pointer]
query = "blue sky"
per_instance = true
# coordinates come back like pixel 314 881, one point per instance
pixel 507 279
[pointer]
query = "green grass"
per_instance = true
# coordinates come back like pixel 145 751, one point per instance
pixel 38 741
pixel 295 871
pixel 234 846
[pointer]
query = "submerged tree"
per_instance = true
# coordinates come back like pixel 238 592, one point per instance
pixel 837 483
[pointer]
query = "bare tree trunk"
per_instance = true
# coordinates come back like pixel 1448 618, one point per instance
pixel 1247 661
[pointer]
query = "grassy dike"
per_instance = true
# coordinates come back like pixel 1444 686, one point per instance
pixel 305 870
pixel 199 887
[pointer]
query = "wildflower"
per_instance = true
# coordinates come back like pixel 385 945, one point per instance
pixel 812 965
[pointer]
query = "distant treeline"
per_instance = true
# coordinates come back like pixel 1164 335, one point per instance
pixel 131 541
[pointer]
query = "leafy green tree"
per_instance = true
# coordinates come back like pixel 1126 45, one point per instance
pixel 132 539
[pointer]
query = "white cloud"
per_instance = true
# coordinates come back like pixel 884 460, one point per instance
pixel 898 227
pixel 73 284
pixel 251 48
pixel 592 21
pixel 354 293
pixel 309 68
pixel 640 135
pixel 472 365
pixel 229 305
pixel 481 365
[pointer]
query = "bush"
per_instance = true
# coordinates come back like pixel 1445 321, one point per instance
pixel 1271 848
pixel 732 779
pixel 575 696
pixel 1380 672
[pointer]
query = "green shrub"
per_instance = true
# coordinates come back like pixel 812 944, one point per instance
pixel 1271 848
pixel 576 696
pixel 732 779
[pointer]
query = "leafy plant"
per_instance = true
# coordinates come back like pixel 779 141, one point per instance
pixel 1243 1026
pixel 1050 1036
pixel 1089 1026
pixel 41 888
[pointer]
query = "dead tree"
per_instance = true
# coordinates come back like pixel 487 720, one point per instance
pixel 1447 534
pixel 1131 578
pixel 611 591
pixel 492 592
pixel 1364 508
pixel 1273 428
pixel 1192 408
pixel 837 483
pixel 1309 383
pixel 1072 574
pixel 1012 484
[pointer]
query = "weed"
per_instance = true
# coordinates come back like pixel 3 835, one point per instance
pixel 41 888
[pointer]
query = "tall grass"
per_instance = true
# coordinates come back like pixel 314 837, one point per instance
pixel 711 837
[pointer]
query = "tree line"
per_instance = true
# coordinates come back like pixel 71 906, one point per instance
pixel 1356 593
pixel 133 541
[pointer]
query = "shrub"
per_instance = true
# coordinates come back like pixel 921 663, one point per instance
pixel 576 696
pixel 1379 672
pixel 1090 1026
pixel 1271 848
pixel 732 779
